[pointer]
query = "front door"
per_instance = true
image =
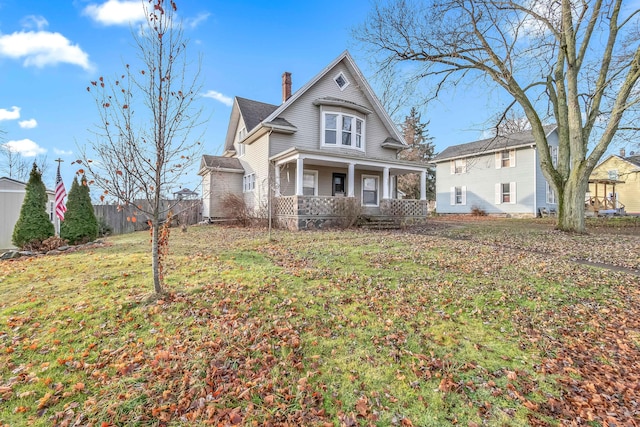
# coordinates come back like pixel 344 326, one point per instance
pixel 338 188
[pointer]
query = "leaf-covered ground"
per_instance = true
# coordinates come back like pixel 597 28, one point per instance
pixel 473 323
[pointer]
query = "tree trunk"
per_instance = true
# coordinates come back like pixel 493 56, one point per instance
pixel 155 256
pixel 571 205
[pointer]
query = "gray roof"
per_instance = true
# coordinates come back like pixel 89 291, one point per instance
pixel 633 159
pixel 219 162
pixel 254 112
pixel 488 145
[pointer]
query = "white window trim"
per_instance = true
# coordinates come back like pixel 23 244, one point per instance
pixel 241 149
pixel 315 180
pixel 512 158
pixel 249 183
pixel 377 178
pixel 463 201
pixel 339 130
pixel 512 193
pixel 551 195
pixel 453 166
pixel 554 155
pixel 347 82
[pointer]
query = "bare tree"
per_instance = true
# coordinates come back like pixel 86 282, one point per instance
pixel 143 140
pixel 576 62
pixel 16 166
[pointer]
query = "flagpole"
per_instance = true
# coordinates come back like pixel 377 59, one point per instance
pixel 57 191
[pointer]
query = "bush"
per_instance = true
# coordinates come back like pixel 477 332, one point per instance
pixel 476 211
pixel 234 206
pixel 34 224
pixel 80 224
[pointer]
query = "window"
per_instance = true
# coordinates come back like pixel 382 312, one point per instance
pixel 350 129
pixel 506 159
pixel 554 156
pixel 310 183
pixel 249 182
pixel 506 193
pixel 240 149
pixel 458 166
pixel 459 195
pixel 369 190
pixel 613 174
pixel 341 81
pixel 551 195
pixel 242 133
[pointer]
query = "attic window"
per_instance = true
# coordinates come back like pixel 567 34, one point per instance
pixel 341 81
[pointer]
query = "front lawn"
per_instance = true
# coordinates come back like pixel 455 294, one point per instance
pixel 492 323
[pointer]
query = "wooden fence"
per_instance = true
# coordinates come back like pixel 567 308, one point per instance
pixel 126 219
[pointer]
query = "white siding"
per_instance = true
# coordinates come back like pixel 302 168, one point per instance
pixel 541 182
pixel 215 185
pixel 307 119
pixel 481 179
pixel 256 161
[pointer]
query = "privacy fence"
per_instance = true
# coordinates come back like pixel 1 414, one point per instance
pixel 126 219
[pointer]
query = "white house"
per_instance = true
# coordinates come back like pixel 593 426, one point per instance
pixel 326 151
pixel 499 175
pixel 12 194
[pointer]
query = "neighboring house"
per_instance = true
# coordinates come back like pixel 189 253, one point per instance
pixel 614 184
pixel 499 175
pixel 328 152
pixel 12 194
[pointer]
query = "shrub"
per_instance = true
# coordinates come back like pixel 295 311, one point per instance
pixel 476 211
pixel 234 206
pixel 80 224
pixel 34 224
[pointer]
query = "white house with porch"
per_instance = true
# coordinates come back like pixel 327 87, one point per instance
pixel 327 152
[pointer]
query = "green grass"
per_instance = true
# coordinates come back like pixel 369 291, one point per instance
pixel 309 328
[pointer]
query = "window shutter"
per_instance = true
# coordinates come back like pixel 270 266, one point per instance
pixel 498 193
pixel 512 192
pixel 512 158
pixel 464 194
pixel 498 160
pixel 453 196
pixel 453 167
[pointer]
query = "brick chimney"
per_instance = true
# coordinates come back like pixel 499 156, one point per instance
pixel 286 86
pixel 623 152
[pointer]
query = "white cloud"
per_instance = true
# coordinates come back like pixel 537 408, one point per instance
pixel 218 97
pixel 42 48
pixel 116 12
pixel 194 22
pixel 12 114
pixel 34 22
pixel 28 124
pixel 62 152
pixel 25 147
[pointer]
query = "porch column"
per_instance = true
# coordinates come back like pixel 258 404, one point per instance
pixel 423 185
pixel 277 179
pixel 385 183
pixel 299 176
pixel 351 191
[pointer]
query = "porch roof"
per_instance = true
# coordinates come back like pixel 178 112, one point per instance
pixel 323 158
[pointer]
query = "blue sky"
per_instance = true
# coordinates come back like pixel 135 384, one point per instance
pixel 51 50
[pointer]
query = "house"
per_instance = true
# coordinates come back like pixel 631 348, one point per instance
pixel 12 194
pixel 614 184
pixel 326 154
pixel 498 175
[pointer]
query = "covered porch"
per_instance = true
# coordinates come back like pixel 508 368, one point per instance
pixel 603 200
pixel 317 190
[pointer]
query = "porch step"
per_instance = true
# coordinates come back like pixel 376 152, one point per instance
pixel 378 223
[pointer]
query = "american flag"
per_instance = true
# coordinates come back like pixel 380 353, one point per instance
pixel 61 193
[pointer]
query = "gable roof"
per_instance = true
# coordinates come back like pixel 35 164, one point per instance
pixel 489 145
pixel 257 115
pixel 254 112
pixel 219 163
pixel 635 160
